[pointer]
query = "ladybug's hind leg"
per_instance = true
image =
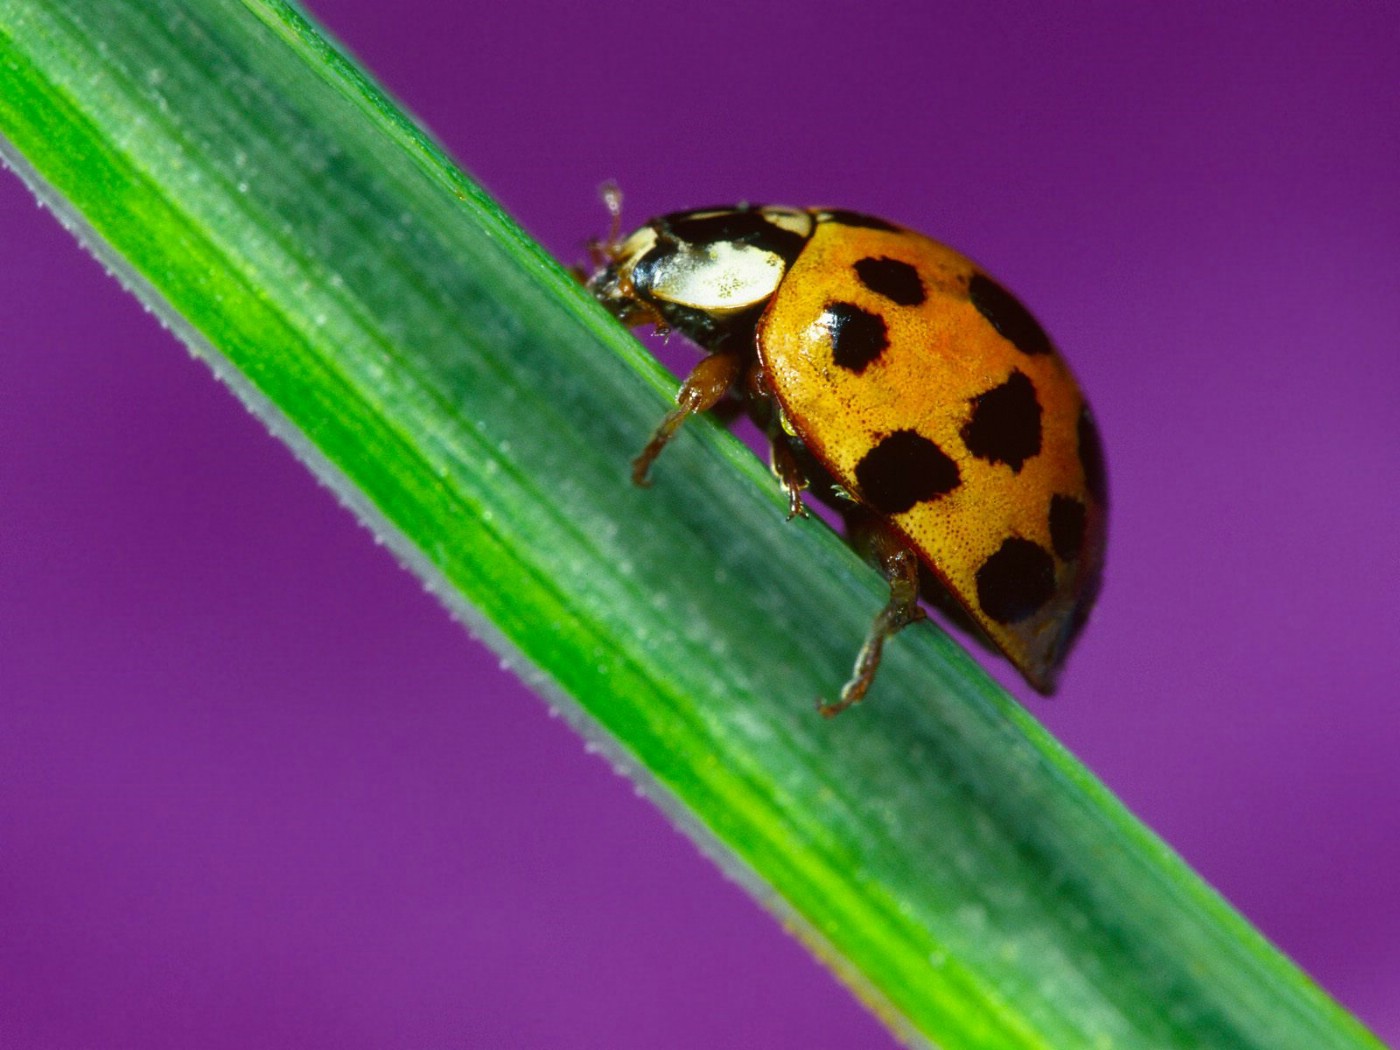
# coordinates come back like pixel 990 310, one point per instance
pixel 899 564
pixel 704 388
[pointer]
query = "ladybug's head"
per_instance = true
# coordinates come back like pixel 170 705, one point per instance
pixel 701 272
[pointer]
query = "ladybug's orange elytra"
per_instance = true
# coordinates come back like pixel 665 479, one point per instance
pixel 908 389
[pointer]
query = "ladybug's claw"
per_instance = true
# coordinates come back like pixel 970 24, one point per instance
pixel 641 466
pixel 796 508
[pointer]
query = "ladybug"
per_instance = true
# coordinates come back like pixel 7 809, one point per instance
pixel 904 387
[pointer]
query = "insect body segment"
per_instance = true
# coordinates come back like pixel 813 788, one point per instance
pixel 919 388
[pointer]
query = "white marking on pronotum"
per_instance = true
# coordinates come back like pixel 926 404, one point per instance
pixel 722 277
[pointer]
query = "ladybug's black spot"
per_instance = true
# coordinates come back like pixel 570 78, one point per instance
pixel 1008 316
pixel 1066 526
pixel 855 218
pixel 905 468
pixel 897 281
pixel 1015 582
pixel 1005 423
pixel 857 336
pixel 1091 458
pixel 746 227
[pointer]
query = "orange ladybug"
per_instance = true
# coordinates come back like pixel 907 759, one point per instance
pixel 904 387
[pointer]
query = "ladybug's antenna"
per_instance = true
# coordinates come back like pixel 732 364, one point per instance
pixel 611 193
pixel 600 253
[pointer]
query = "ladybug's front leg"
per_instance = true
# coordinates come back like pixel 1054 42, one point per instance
pixel 706 385
pixel 899 564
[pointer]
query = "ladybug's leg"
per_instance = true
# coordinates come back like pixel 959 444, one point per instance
pixel 764 410
pixel 899 564
pixel 784 464
pixel 702 390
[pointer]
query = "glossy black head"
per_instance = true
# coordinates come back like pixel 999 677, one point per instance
pixel 706 273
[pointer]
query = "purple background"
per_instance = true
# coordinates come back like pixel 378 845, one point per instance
pixel 257 790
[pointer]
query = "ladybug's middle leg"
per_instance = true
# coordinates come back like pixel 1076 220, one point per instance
pixel 783 462
pixel 782 459
pixel 899 564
